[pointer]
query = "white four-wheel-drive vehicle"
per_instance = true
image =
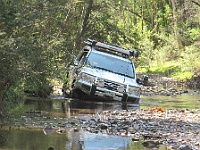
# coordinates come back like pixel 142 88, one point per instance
pixel 104 71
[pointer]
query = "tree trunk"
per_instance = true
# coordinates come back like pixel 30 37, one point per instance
pixel 83 29
pixel 175 25
pixel 4 86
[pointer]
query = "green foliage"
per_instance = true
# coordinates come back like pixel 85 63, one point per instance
pixel 38 37
pixel 37 86
pixel 166 69
pixel 191 57
pixel 183 75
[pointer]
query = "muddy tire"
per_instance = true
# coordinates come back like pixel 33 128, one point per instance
pixel 73 94
pixel 77 94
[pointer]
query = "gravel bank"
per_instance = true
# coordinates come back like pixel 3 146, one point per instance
pixel 177 129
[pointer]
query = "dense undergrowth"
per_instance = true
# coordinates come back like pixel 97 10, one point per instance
pixel 38 39
pixel 183 66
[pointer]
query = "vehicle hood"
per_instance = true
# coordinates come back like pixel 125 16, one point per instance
pixel 110 76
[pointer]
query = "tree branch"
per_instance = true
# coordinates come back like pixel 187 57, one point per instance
pixel 135 13
pixel 196 3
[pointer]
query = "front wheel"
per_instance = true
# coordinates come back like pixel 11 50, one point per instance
pixel 77 94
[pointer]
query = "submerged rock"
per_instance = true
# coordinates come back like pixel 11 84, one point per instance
pixel 185 147
pixel 48 130
pixel 151 144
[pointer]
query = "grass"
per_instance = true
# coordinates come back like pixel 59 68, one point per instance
pixel 183 75
pixel 173 69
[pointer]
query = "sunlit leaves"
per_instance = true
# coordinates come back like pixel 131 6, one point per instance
pixel 37 37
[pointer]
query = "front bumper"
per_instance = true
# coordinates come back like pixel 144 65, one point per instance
pixel 94 91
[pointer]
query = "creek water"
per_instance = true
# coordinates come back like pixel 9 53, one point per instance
pixel 26 130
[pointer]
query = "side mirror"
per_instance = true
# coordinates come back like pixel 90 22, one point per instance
pixel 143 81
pixel 75 62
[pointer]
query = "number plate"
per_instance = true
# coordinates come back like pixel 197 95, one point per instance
pixel 110 94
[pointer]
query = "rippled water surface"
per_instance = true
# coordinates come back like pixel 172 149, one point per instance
pixel 184 101
pixel 26 132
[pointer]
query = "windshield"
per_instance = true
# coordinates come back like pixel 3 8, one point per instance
pixel 111 63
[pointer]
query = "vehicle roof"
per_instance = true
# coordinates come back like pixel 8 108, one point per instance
pixel 99 51
pixel 112 48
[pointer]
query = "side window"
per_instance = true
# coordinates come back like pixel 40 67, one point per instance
pixel 83 58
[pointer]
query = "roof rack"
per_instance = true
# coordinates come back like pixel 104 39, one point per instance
pixel 129 52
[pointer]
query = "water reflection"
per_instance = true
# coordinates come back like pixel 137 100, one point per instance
pixel 27 132
pixel 102 142
pixel 74 107
pixel 34 139
pixel 184 101
pixel 37 127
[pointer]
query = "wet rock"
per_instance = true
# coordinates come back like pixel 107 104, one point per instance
pixel 76 130
pixel 61 131
pixel 103 126
pixel 92 120
pixel 151 144
pixel 48 130
pixel 72 123
pixel 135 139
pixel 51 148
pixel 185 147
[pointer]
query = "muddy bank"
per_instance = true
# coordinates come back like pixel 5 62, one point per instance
pixel 160 85
pixel 194 82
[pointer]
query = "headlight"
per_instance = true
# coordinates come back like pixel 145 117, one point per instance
pixel 121 89
pixel 133 90
pixel 87 77
pixel 100 82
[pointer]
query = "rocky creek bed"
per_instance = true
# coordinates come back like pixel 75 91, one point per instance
pixel 155 127
pixel 177 129
pixel 161 85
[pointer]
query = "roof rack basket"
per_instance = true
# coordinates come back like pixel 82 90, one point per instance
pixel 129 52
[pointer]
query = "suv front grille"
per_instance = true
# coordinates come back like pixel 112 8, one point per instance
pixel 112 85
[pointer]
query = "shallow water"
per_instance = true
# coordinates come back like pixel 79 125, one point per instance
pixel 25 132
pixel 184 101
pixel 35 139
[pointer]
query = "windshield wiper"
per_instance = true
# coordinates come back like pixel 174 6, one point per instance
pixel 103 69
pixel 126 75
